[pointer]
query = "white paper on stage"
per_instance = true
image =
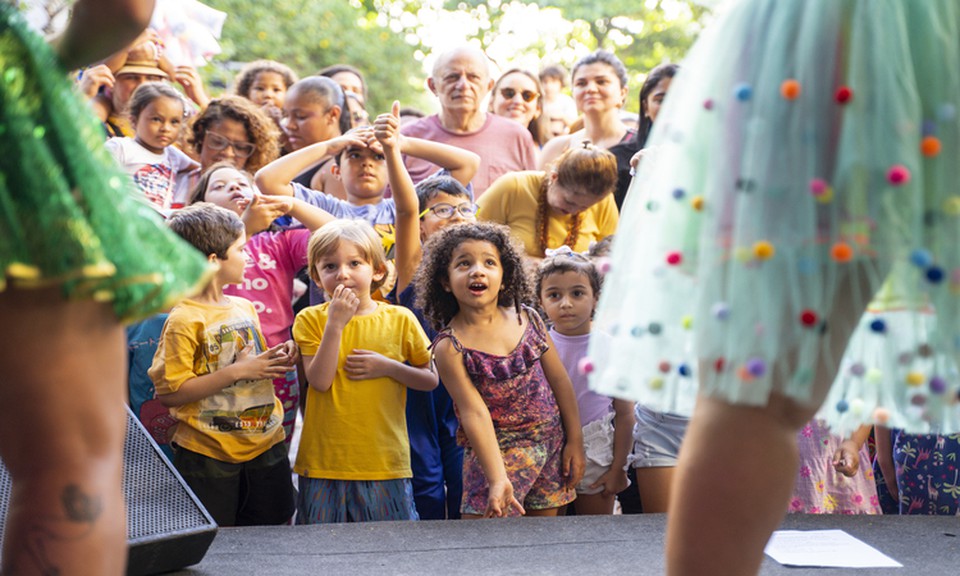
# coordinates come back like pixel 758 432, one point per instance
pixel 825 548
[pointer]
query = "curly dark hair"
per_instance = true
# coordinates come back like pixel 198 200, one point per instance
pixel 261 130
pixel 244 80
pixel 439 305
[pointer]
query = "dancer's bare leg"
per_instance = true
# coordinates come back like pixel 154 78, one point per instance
pixel 732 487
pixel 63 375
pixel 738 463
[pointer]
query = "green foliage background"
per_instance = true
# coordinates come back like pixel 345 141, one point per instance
pixel 371 35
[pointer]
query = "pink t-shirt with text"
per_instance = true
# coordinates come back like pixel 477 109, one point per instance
pixel 273 260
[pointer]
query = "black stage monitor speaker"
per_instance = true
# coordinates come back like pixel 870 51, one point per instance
pixel 167 527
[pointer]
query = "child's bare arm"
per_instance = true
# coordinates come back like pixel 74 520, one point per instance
pixel 188 77
pixel 270 364
pixel 885 461
pixel 275 178
pixel 478 426
pixel 322 367
pixel 461 163
pixel 846 459
pixel 309 215
pixel 408 252
pixel 615 479
pixel 99 28
pixel 574 459
pixel 367 364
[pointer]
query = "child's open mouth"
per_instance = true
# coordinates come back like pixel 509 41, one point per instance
pixel 477 288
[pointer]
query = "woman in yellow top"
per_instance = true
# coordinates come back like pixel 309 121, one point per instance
pixel 569 204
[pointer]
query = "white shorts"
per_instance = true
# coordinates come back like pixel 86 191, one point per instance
pixel 598 446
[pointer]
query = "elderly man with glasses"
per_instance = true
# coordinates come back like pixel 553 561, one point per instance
pixel 461 81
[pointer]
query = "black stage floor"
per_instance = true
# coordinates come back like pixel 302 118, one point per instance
pixel 575 546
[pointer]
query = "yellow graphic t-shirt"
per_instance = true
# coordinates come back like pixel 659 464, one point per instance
pixel 244 419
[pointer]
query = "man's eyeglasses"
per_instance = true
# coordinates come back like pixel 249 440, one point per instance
pixel 217 142
pixel 445 211
pixel 527 95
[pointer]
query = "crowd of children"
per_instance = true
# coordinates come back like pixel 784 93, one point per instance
pixel 442 369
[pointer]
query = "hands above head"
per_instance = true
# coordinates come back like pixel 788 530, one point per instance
pixel 500 500
pixel 355 137
pixel 149 35
pixel 95 78
pixel 386 128
pixel 188 77
pixel 366 135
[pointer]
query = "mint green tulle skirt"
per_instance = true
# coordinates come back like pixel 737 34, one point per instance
pixel 807 153
pixel 68 215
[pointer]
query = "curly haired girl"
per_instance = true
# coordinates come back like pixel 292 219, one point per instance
pixel 265 83
pixel 518 413
pixel 230 129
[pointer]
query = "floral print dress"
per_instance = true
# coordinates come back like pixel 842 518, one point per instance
pixel 822 490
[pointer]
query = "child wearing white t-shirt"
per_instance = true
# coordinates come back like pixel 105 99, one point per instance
pixel 149 157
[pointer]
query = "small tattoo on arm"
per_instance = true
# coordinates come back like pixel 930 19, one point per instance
pixel 80 507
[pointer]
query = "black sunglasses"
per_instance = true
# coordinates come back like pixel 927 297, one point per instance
pixel 527 95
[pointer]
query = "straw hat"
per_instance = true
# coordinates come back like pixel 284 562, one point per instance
pixel 143 59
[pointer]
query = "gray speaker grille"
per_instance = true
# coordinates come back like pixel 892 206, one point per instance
pixel 158 504
pixel 156 500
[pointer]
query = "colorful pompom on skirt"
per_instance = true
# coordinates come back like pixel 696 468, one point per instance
pixel 68 215
pixel 806 155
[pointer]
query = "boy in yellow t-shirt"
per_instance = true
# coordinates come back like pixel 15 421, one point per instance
pixel 359 356
pixel 213 369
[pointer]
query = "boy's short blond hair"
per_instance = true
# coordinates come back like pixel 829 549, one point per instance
pixel 358 232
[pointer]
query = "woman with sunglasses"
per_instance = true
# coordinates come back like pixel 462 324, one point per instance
pixel 231 129
pixel 517 95
pixel 569 204
pixel 599 90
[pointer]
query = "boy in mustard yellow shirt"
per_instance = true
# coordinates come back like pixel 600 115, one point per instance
pixel 213 369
